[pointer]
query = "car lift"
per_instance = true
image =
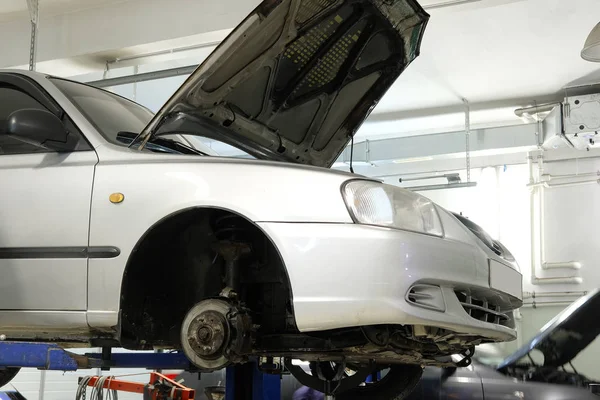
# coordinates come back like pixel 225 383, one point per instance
pixel 243 382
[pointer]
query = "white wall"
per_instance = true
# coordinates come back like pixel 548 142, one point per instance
pixel 499 204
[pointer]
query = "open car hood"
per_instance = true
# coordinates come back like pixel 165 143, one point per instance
pixel 295 80
pixel 561 339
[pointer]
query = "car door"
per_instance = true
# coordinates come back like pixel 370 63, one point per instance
pixel 44 214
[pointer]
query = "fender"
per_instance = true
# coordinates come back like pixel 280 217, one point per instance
pixel 156 186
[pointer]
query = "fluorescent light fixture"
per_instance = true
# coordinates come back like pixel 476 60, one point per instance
pixel 454 182
pixel 414 159
pixel 591 49
pixel 452 178
pixel 442 186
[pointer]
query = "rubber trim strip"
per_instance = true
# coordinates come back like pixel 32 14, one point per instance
pixel 11 253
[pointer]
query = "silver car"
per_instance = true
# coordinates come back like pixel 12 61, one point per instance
pixel 124 228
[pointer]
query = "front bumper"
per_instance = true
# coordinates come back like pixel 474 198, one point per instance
pixel 348 275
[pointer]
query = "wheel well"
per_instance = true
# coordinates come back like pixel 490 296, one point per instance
pixel 175 265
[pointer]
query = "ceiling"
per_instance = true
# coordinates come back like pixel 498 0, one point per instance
pixel 496 54
pixel 17 9
pixel 494 50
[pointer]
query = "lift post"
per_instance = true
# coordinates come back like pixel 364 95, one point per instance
pixel 247 382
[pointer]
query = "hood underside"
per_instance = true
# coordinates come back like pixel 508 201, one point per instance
pixel 561 339
pixel 296 78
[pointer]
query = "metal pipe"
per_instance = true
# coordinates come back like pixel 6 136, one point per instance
pixel 147 76
pixel 547 185
pixel 441 186
pixel 571 280
pixel 520 112
pixel 164 52
pixel 539 190
pixel 556 265
pixel 542 211
pixel 568 184
pixel 532 217
pixel 566 176
pixel 547 304
pixel 533 295
pixel 419 178
pixel 448 3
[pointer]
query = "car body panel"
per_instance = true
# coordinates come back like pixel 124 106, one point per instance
pixel 500 387
pixel 157 186
pixel 300 209
pixel 296 78
pixel 563 337
pixel 478 382
pixel 320 256
pixel 46 191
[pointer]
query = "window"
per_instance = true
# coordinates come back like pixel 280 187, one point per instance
pixel 109 113
pixel 212 147
pixel 12 100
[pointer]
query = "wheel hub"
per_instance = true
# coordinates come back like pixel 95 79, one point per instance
pixel 207 333
pixel 216 333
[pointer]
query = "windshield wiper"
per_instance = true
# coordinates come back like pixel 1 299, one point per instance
pixel 163 143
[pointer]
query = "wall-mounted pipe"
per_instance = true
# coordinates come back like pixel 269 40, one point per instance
pixel 440 186
pixel 547 107
pixel 570 280
pixel 542 233
pixel 558 265
pixel 547 185
pixel 549 177
pixel 534 295
pixel 535 280
pixel 547 304
pixel 173 50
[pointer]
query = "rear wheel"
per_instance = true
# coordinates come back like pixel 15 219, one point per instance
pixel 7 375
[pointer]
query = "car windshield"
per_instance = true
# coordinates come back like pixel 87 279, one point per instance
pixel 111 114
pixel 108 112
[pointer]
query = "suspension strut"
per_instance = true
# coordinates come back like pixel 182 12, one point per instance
pixel 232 246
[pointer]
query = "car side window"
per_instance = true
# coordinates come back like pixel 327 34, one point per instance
pixel 13 99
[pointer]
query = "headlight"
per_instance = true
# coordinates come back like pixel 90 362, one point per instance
pixel 373 203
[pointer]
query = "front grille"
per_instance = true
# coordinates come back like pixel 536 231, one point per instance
pixel 482 310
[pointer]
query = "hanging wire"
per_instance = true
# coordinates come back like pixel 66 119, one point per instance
pixel 468 138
